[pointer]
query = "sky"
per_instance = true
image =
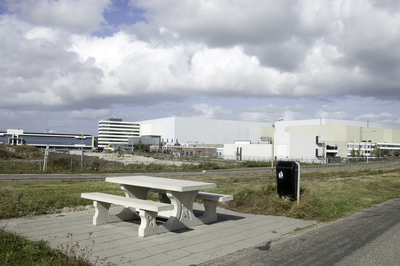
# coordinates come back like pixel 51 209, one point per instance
pixel 67 64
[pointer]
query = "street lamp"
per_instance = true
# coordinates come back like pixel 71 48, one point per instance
pixel 273 141
pixel 366 143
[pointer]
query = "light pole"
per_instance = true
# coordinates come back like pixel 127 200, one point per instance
pixel 273 141
pixel 81 150
pixel 366 143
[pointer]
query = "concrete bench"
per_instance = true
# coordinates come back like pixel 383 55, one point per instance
pixel 147 209
pixel 210 205
pixel 210 201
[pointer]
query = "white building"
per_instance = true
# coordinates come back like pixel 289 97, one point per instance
pixel 307 139
pixel 199 130
pixel 49 139
pixel 340 132
pixel 366 148
pixel 115 132
pixel 248 151
pixel 302 147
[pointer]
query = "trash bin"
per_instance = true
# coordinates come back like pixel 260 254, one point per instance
pixel 287 178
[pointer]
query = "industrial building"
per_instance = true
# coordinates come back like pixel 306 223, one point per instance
pixel 113 132
pixel 175 130
pixel 199 130
pixel 50 138
pixel 341 132
pixel 303 140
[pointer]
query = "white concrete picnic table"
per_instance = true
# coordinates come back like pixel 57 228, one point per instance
pixel 179 193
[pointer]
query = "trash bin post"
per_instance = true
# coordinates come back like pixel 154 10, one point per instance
pixel 298 183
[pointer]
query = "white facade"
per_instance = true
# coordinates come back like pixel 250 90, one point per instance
pixel 201 131
pixel 366 148
pixel 302 147
pixel 281 126
pixel 340 132
pixel 115 132
pixel 248 151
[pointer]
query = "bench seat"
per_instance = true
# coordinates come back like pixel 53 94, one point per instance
pixel 214 197
pixel 148 211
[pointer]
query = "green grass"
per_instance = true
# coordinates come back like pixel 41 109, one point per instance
pixel 19 251
pixel 326 195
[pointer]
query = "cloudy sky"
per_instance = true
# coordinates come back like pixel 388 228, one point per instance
pixel 66 64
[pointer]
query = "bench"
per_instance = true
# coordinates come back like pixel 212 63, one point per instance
pixel 210 201
pixel 147 209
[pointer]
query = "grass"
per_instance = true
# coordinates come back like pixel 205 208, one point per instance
pixel 19 251
pixel 326 195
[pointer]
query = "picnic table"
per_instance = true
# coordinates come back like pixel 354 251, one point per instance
pixel 176 203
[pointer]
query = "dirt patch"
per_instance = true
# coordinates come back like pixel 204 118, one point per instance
pixel 76 208
pixel 131 158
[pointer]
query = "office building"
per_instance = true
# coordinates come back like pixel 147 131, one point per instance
pixel 50 138
pixel 114 132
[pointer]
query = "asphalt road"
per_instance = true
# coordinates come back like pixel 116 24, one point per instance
pixel 370 237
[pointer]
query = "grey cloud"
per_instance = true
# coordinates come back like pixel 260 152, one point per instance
pixel 41 72
pixel 79 16
pixel 265 29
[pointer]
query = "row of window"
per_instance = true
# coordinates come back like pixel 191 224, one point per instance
pixel 119 125
pixel 46 140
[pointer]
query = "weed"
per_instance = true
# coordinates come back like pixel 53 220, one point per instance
pixel 75 252
pixel 17 250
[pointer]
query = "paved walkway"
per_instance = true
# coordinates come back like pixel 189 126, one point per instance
pixel 118 243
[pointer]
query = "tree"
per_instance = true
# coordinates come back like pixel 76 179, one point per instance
pixel 376 152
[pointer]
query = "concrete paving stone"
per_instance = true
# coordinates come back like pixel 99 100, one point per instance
pixel 105 263
pixel 178 253
pixel 117 260
pixel 207 245
pixel 154 250
pixel 134 255
pixel 125 264
pixel 104 239
pixel 111 252
pixel 170 250
pixel 263 237
pixel 190 260
pixel 119 236
pixel 118 243
pixel 121 260
pixel 105 245
pixel 173 263
pixel 157 259
pixel 211 254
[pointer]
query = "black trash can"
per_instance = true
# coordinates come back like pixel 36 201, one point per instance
pixel 287 179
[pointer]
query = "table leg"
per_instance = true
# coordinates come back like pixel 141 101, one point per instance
pixel 130 213
pixel 182 215
pixel 135 192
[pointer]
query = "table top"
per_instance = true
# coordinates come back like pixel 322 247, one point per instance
pixel 161 183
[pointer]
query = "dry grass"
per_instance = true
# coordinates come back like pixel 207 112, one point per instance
pixel 325 195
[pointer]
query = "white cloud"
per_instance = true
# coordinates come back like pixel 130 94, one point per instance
pixel 385 118
pixel 75 15
pixel 333 114
pixel 211 112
